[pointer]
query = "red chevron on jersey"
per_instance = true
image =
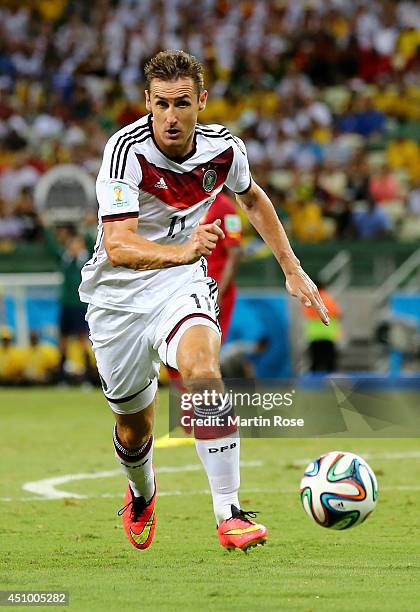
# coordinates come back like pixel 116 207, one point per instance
pixel 184 189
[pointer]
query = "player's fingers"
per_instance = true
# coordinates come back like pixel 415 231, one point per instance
pixel 303 298
pixel 205 250
pixel 215 235
pixel 319 300
pixel 297 293
pixel 207 241
pixel 321 309
pixel 211 237
pixel 209 244
pixel 309 296
pixel 202 233
pixel 321 304
pixel 311 292
pixel 216 229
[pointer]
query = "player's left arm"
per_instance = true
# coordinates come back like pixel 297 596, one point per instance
pixel 261 213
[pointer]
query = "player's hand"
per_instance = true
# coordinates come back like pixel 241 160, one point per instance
pixel 304 289
pixel 203 240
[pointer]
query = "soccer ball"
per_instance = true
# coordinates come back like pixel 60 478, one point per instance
pixel 339 490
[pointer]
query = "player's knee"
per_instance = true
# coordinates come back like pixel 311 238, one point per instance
pixel 133 437
pixel 206 369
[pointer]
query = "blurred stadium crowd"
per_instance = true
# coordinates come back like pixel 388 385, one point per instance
pixel 325 93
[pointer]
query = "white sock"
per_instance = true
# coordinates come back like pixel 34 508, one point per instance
pixel 220 459
pixel 137 466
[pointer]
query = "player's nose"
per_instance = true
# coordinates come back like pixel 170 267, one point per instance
pixel 171 117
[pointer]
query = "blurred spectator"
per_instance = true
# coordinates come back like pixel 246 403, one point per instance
pixel 12 359
pixel 10 225
pixel 41 361
pixel 362 118
pixel 31 228
pixel 372 223
pixel 404 153
pixel 384 185
pixel 358 180
pixel 307 153
pixel 344 222
pixel 307 222
pixel 414 198
pixel 306 84
pixel 20 174
pixel 78 365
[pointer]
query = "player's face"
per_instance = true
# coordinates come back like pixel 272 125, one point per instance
pixel 175 106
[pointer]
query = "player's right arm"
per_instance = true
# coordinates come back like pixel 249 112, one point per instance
pixel 117 190
pixel 126 248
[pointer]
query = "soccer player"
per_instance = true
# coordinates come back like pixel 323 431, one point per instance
pixel 149 295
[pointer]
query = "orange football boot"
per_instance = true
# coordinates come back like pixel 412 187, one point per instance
pixel 239 532
pixel 139 519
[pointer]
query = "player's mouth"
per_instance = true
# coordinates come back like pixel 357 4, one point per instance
pixel 173 133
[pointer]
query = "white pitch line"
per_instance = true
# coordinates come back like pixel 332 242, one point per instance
pixel 47 490
pixel 193 492
pixel 47 487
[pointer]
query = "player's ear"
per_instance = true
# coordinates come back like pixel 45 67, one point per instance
pixel 148 103
pixel 202 99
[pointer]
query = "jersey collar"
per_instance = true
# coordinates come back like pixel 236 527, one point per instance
pixel 178 160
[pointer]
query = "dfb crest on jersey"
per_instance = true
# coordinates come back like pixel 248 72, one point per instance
pixel 209 180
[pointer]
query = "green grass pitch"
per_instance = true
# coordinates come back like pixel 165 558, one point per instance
pixel 79 545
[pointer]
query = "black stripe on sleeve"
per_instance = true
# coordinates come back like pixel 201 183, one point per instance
pixel 136 141
pixel 119 216
pixel 117 144
pixel 119 147
pixel 245 190
pixel 207 130
pixel 225 137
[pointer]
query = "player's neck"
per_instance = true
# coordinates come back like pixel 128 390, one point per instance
pixel 176 153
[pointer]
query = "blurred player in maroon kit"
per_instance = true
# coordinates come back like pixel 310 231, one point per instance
pixel 224 260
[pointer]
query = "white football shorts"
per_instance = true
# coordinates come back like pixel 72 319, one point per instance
pixel 130 346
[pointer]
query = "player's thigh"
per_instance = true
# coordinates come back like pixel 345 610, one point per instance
pixel 197 308
pixel 127 364
pixel 198 353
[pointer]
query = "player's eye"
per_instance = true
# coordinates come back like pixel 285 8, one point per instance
pixel 183 103
pixel 161 104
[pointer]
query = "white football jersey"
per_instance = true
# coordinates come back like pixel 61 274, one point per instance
pixel 169 196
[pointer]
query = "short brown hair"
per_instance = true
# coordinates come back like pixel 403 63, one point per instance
pixel 171 65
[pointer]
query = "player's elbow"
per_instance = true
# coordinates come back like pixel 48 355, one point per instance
pixel 245 202
pixel 114 260
pixel 114 253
